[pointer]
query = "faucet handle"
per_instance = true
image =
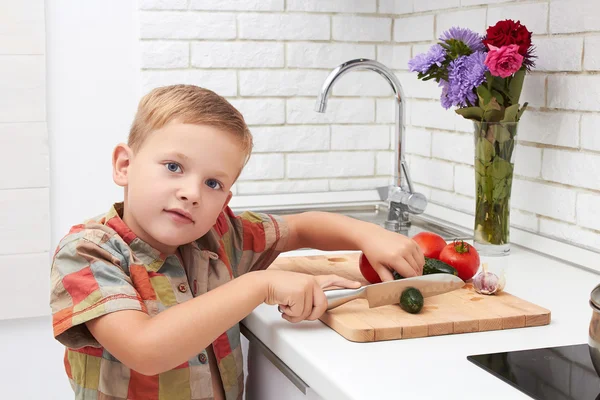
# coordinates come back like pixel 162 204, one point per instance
pixel 415 203
pixel 404 168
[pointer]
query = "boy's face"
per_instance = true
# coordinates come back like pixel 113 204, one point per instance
pixel 177 183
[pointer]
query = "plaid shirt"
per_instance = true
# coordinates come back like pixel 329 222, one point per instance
pixel 101 267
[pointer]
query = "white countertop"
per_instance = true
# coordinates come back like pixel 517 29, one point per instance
pixel 433 367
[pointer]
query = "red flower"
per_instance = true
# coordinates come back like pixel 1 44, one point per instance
pixel 508 32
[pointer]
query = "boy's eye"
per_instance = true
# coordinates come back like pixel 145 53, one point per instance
pixel 173 167
pixel 213 184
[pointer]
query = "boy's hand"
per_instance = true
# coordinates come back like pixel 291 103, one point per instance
pixel 300 296
pixel 387 251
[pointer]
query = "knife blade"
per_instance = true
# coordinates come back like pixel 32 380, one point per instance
pixel 384 293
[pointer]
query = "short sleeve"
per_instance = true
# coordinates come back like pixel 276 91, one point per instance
pixel 262 237
pixel 87 281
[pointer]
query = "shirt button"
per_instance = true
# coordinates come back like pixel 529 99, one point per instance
pixel 202 358
pixel 182 288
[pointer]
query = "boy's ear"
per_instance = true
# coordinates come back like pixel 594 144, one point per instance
pixel 121 158
pixel 229 196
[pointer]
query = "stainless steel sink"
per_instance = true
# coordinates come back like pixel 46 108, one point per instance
pixel 375 213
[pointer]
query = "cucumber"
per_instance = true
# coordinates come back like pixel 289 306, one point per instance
pixel 411 300
pixel 432 266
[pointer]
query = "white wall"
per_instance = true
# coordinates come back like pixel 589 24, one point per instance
pixel 24 176
pixel 74 65
pixel 270 59
pixel 92 96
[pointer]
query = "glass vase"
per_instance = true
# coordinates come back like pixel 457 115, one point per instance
pixel 495 144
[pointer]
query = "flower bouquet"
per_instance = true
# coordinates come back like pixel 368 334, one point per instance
pixel 482 76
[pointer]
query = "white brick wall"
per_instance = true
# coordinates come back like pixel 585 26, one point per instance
pixel 591 62
pixel 557 128
pixel 22 88
pixel 286 83
pixel 413 29
pixel 571 168
pixel 339 165
pixel 360 137
pixel 284 26
pixel 569 48
pixel 421 144
pixel 223 82
pixel 590 126
pixel 158 54
pixel 473 19
pixel 395 7
pixel 352 110
pixel 22 27
pixel 574 92
pixel 533 15
pixel 237 5
pixel 544 199
pixel 186 25
pixel 359 6
pixel 528 161
pixel 270 57
pixel 325 55
pixel 237 54
pixel 365 29
pixel 457 147
pixel 567 16
pixel 292 138
pixel 24 175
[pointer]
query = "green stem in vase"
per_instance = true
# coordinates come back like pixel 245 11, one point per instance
pixel 494 146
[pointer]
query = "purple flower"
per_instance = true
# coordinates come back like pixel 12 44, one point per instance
pixel 445 100
pixel 422 62
pixel 465 35
pixel 464 75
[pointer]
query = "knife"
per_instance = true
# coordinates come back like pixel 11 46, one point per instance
pixel 384 293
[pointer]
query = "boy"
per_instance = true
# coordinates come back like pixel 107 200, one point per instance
pixel 144 297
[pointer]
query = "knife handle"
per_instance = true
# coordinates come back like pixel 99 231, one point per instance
pixel 337 297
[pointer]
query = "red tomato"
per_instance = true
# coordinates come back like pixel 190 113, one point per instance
pixel 431 244
pixel 367 270
pixel 463 257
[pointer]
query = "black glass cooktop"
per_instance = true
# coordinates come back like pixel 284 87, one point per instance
pixel 555 373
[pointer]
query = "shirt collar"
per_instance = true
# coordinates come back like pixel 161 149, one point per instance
pixel 151 257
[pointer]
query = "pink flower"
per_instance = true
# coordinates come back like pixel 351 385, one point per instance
pixel 503 61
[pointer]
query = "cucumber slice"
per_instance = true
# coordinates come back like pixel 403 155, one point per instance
pixel 411 300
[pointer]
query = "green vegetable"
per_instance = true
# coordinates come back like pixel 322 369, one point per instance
pixel 494 170
pixel 432 266
pixel 411 300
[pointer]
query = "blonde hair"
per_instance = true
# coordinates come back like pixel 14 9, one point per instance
pixel 188 104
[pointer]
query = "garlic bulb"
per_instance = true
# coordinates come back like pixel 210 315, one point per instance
pixel 487 282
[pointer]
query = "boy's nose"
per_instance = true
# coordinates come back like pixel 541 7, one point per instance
pixel 186 199
pixel 190 195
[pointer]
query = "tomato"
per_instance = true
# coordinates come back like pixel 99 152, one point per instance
pixel 367 270
pixel 463 257
pixel 431 244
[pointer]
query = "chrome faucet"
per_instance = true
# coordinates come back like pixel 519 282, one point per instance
pixel 402 199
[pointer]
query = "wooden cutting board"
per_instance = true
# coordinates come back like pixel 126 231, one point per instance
pixel 459 311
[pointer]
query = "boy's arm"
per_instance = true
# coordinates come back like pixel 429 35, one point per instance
pixel 151 345
pixel 385 250
pixel 325 231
